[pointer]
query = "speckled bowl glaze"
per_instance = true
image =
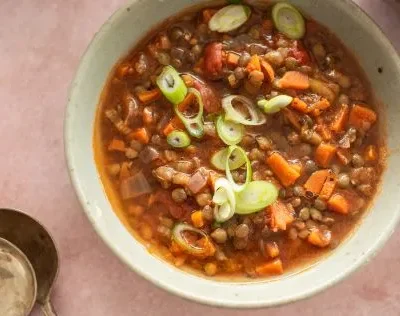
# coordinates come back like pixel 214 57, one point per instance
pixel 114 40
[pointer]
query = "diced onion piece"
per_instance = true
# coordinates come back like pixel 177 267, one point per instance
pixel 172 85
pixel 275 104
pixel 238 150
pixel 231 114
pixel 194 124
pixel 179 238
pixel 218 160
pixel 288 20
pixel 178 139
pixel 229 18
pixel 230 132
pixel 256 196
pixel 223 212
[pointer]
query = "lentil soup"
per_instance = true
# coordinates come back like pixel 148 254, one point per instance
pixel 235 141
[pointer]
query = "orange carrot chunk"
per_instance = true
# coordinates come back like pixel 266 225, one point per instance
pixel 254 64
pixel 142 135
pixel 343 156
pixel 197 219
pixel 272 249
pixel 338 203
pixel 268 71
pixel 232 59
pixel 316 181
pixel 149 95
pixel 286 174
pixel 294 80
pixel 328 187
pixel 270 268
pixel 320 106
pixel 339 122
pixel 299 105
pixel 324 154
pixel 293 118
pixel 116 145
pixel 362 117
pixel 319 238
pixel 279 215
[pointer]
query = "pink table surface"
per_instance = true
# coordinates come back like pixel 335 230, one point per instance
pixel 41 42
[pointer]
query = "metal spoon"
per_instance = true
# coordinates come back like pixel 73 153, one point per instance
pixel 36 243
pixel 17 281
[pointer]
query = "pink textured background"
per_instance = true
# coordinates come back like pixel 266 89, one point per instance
pixel 41 42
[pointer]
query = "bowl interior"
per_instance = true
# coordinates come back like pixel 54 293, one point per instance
pixel 115 39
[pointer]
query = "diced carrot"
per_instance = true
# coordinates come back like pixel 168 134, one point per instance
pixel 282 169
pixel 124 173
pixel 299 105
pixel 124 70
pixel 343 156
pixel 339 204
pixel 293 118
pixel 324 154
pixel 208 14
pixel 197 219
pixel 116 145
pixel 186 103
pixel 371 153
pixel 272 249
pixel 280 216
pixel 149 95
pixel 328 187
pixel 319 238
pixel 316 181
pixel 294 80
pixel 268 71
pixel 141 134
pixel 362 117
pixel 340 119
pixel 164 41
pixel 320 106
pixel 297 166
pixel 254 64
pixel 232 59
pixel 174 124
pixel 270 268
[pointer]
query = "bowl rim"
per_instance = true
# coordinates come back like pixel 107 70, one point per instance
pixel 372 251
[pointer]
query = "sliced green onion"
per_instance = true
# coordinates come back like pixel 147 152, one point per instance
pixel 229 18
pixel 218 160
pixel 172 85
pixel 275 104
pixel 230 132
pixel 288 20
pixel 223 212
pixel 223 192
pixel 238 150
pixel 179 238
pixel 194 125
pixel 256 196
pixel 231 114
pixel 178 139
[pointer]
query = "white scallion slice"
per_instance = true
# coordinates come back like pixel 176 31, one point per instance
pixel 172 85
pixel 223 212
pixel 230 132
pixel 179 237
pixel 288 20
pixel 229 18
pixel 238 150
pixel 256 196
pixel 256 117
pixel 218 160
pixel 275 104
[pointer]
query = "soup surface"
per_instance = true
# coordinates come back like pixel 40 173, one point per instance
pixel 239 141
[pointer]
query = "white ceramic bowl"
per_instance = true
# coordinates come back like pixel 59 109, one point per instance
pixel 115 39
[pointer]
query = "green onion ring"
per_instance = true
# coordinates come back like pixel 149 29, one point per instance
pixel 238 187
pixel 179 238
pixel 231 114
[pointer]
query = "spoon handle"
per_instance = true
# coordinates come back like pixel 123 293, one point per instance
pixel 48 309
